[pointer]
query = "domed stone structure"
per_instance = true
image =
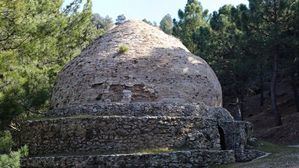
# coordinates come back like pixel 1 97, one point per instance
pixel 136 97
pixel 155 67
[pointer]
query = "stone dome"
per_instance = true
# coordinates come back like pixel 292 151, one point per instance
pixel 136 62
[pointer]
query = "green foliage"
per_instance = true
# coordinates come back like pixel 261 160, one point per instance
pixel 166 24
pixel 122 49
pixel 223 45
pixel 9 158
pixel 100 22
pixel 12 160
pixel 120 19
pixel 36 39
pixel 190 20
pixel 147 21
pixel 150 23
pixel 240 42
pixel 6 142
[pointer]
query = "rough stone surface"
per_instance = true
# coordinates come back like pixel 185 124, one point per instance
pixel 179 159
pixel 142 109
pixel 156 67
pixel 118 134
pixel 155 95
pixel 220 114
pixel 236 135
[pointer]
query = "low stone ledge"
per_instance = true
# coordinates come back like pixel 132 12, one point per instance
pixel 133 109
pixel 179 159
pixel 249 154
pixel 117 134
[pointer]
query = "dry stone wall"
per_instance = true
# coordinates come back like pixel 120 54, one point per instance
pixel 179 159
pixel 171 109
pixel 117 134
pixel 236 135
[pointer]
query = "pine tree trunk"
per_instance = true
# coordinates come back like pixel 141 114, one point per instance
pixel 239 112
pixel 262 98
pixel 273 88
pixel 240 109
pixel 295 91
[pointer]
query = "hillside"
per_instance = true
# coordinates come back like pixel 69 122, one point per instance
pixel 263 120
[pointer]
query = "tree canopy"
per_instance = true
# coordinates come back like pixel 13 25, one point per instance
pixel 166 24
pixel 36 39
pixel 244 45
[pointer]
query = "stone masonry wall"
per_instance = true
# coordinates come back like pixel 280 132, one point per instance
pixel 179 159
pixel 236 135
pixel 119 134
pixel 134 109
pixel 156 67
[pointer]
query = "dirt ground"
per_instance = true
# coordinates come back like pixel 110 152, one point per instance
pixel 263 120
pixel 275 140
pixel 280 156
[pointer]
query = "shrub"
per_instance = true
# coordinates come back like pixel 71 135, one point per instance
pixel 6 142
pixel 12 160
pixel 123 49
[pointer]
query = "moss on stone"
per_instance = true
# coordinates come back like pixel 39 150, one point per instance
pixel 123 49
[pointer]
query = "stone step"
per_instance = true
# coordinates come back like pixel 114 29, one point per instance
pixel 117 134
pixel 187 158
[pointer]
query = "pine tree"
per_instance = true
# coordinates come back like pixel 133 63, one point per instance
pixel 166 24
pixel 191 19
pixel 36 39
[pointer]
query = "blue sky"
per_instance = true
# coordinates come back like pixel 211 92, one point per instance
pixel 152 10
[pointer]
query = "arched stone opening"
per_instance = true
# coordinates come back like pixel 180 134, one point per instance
pixel 222 138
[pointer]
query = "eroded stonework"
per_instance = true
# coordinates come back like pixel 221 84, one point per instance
pixel 119 134
pixel 110 106
pixel 178 159
pixel 156 67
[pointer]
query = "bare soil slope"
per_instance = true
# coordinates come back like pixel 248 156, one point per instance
pixel 263 120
